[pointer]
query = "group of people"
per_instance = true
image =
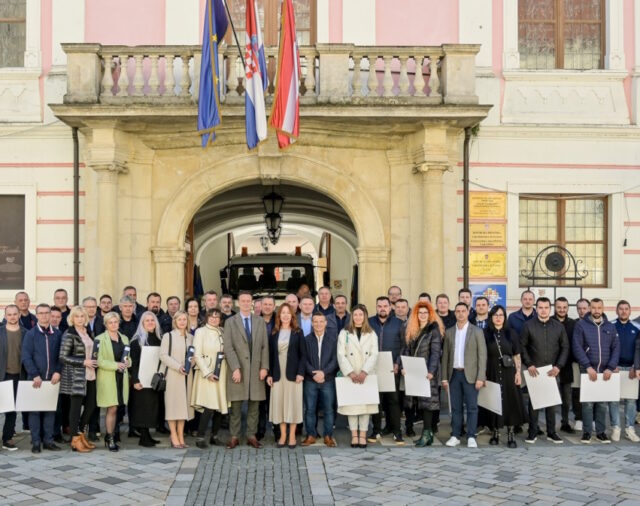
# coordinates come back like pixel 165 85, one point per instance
pixel 282 361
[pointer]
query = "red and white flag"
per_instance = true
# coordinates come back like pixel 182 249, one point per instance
pixel 285 115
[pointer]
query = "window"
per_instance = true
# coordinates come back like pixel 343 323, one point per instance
pixel 13 33
pixel 578 223
pixel 561 34
pixel 12 242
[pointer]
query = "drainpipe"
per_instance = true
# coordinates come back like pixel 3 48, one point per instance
pixel 76 217
pixel 465 180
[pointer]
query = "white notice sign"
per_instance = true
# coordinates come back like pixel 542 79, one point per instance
pixel 416 383
pixel 628 386
pixel 44 398
pixel 384 372
pixel 7 401
pixel 600 390
pixel 543 389
pixel 490 397
pixel 353 394
pixel 149 360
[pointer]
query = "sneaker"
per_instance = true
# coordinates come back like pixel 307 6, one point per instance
pixel 615 434
pixel 531 438
pixel 565 427
pixel 374 438
pixel 8 445
pixel 577 426
pixel 603 438
pixel 397 439
pixel 453 441
pixel 554 438
pixel 586 438
pixel 471 443
pixel 630 434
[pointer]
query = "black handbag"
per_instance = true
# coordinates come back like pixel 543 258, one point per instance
pixel 507 360
pixel 159 379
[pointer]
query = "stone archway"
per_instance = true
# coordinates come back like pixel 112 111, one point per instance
pixel 373 251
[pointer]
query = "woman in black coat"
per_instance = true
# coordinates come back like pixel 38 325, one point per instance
pixel 144 402
pixel 78 376
pixel 503 367
pixel 424 335
pixel 286 374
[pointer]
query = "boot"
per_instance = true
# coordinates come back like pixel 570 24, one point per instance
pixel 429 437
pixel 110 443
pixel 495 438
pixel 77 445
pixel 145 439
pixel 511 442
pixel 422 442
pixel 86 442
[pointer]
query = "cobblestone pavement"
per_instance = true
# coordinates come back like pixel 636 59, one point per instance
pixel 543 473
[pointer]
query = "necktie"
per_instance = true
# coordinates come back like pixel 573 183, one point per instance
pixel 247 329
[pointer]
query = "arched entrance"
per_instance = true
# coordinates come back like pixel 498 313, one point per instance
pixel 250 171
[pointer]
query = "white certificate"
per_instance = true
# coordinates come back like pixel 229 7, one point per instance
pixel 416 383
pixel 44 398
pixel 7 402
pixel 490 397
pixel 600 390
pixel 149 360
pixel 354 394
pixel 576 375
pixel 384 372
pixel 543 389
pixel 628 386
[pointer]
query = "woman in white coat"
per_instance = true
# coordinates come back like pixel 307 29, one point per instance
pixel 357 357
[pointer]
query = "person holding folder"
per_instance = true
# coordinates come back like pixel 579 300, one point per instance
pixel 596 347
pixel 357 358
pixel 112 379
pixel 424 335
pixel 209 394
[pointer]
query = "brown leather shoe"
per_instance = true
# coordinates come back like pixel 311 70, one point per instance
pixel 78 446
pixel 86 442
pixel 252 441
pixel 309 440
pixel 233 442
pixel 330 442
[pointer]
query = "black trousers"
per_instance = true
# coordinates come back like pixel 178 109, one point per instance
pixel 10 418
pixel 550 415
pixel 427 419
pixel 263 411
pixel 390 404
pixel 77 424
pixel 205 418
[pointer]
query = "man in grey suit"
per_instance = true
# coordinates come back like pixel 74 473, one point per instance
pixel 464 371
pixel 246 347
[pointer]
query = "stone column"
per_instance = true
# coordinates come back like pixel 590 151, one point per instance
pixel 169 262
pixel 107 225
pixel 373 275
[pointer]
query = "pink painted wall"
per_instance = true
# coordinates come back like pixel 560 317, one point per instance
pixel 497 45
pixel 335 21
pixel 416 22
pixel 629 48
pixel 125 22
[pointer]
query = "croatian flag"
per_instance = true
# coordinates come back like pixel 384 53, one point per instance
pixel 256 80
pixel 215 28
pixel 285 114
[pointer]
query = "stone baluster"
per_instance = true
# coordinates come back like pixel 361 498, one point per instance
pixel 403 81
pixel 310 78
pixel 418 80
pixel 123 81
pixel 387 82
pixel 107 78
pixel 357 78
pixel 154 82
pixel 232 77
pixel 185 80
pixel 138 78
pixel 434 79
pixel 372 80
pixel 169 77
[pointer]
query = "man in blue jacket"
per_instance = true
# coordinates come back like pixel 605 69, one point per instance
pixel 40 357
pixel 526 312
pixel 390 332
pixel 596 347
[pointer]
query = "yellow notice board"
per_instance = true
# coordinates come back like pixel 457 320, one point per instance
pixel 487 205
pixel 488 235
pixel 487 265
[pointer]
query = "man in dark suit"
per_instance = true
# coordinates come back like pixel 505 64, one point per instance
pixel 95 325
pixel 247 353
pixel 319 380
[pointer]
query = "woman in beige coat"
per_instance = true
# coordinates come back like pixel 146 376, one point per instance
pixel 173 352
pixel 209 395
pixel 357 357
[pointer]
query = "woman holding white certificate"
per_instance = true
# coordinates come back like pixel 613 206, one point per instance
pixel 424 335
pixel 503 367
pixel 358 357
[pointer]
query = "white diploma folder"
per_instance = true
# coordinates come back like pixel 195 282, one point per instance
pixel 543 389
pixel 149 360
pixel 384 372
pixel 490 397
pixel 600 390
pixel 7 402
pixel 44 398
pixel 628 386
pixel 416 383
pixel 354 394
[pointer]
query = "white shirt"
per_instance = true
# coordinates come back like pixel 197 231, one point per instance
pixel 461 339
pixel 320 349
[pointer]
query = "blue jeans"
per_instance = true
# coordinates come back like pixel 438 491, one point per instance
pixel 629 407
pixel 601 416
pixel 463 392
pixel 47 418
pixel 319 395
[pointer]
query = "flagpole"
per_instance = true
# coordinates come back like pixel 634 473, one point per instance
pixel 233 28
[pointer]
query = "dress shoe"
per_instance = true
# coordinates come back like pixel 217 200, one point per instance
pixel 214 441
pixel 330 442
pixel 308 441
pixel 254 443
pixel 52 447
pixel 260 436
pixel 202 444
pixel 35 449
pixel 233 442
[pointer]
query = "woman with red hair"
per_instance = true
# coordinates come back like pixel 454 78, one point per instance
pixel 424 335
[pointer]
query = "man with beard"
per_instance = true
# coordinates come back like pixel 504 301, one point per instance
pixel 106 304
pixel 482 312
pixel 569 395
pixel 465 295
pixel 166 322
pixel 342 315
pixel 226 306
pixel 154 304
pixel 527 312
